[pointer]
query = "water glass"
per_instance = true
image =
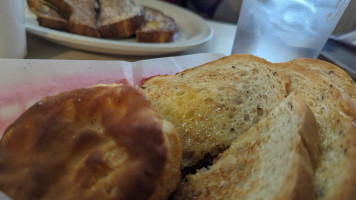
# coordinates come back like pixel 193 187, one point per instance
pixel 282 30
pixel 12 29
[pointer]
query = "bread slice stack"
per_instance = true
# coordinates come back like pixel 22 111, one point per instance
pixel 212 104
pixel 202 103
pixel 335 112
pixel 106 19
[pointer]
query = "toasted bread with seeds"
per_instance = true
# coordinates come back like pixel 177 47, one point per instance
pixel 158 27
pixel 80 14
pixel 270 161
pixel 335 112
pixel 212 104
pixel 47 16
pixel 331 73
pixel 119 18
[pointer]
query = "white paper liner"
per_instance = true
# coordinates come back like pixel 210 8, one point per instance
pixel 23 82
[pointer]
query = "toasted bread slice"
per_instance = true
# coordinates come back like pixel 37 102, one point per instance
pixel 331 73
pixel 158 27
pixel 269 161
pixel 335 112
pixel 80 14
pixel 210 105
pixel 119 18
pixel 47 16
pixel 103 142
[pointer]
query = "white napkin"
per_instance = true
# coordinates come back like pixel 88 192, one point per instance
pixel 23 82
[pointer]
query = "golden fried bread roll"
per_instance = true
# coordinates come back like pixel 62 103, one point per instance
pixel 103 142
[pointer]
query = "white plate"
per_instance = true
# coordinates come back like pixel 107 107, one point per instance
pixel 193 32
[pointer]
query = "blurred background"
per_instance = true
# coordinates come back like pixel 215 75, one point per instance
pixel 228 11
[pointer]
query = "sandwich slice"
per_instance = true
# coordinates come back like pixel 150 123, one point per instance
pixel 270 161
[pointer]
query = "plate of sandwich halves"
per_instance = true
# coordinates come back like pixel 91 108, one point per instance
pixel 122 27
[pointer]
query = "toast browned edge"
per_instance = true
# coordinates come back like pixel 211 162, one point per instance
pixel 158 35
pixel 155 37
pixel 123 26
pixel 75 26
pixel 349 107
pixel 330 73
pixel 122 29
pixel 47 16
pixel 53 23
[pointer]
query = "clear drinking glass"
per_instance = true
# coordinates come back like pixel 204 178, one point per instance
pixel 12 29
pixel 282 30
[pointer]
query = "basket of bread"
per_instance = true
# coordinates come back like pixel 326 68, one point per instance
pixel 235 128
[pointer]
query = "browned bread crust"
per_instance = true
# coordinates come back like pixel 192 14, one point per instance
pixel 103 142
pixel 80 14
pixel 47 16
pixel 119 18
pixel 331 73
pixel 158 27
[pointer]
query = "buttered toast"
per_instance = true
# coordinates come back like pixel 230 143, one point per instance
pixel 269 161
pixel 212 104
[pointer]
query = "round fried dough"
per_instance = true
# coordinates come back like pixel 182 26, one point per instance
pixel 103 142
